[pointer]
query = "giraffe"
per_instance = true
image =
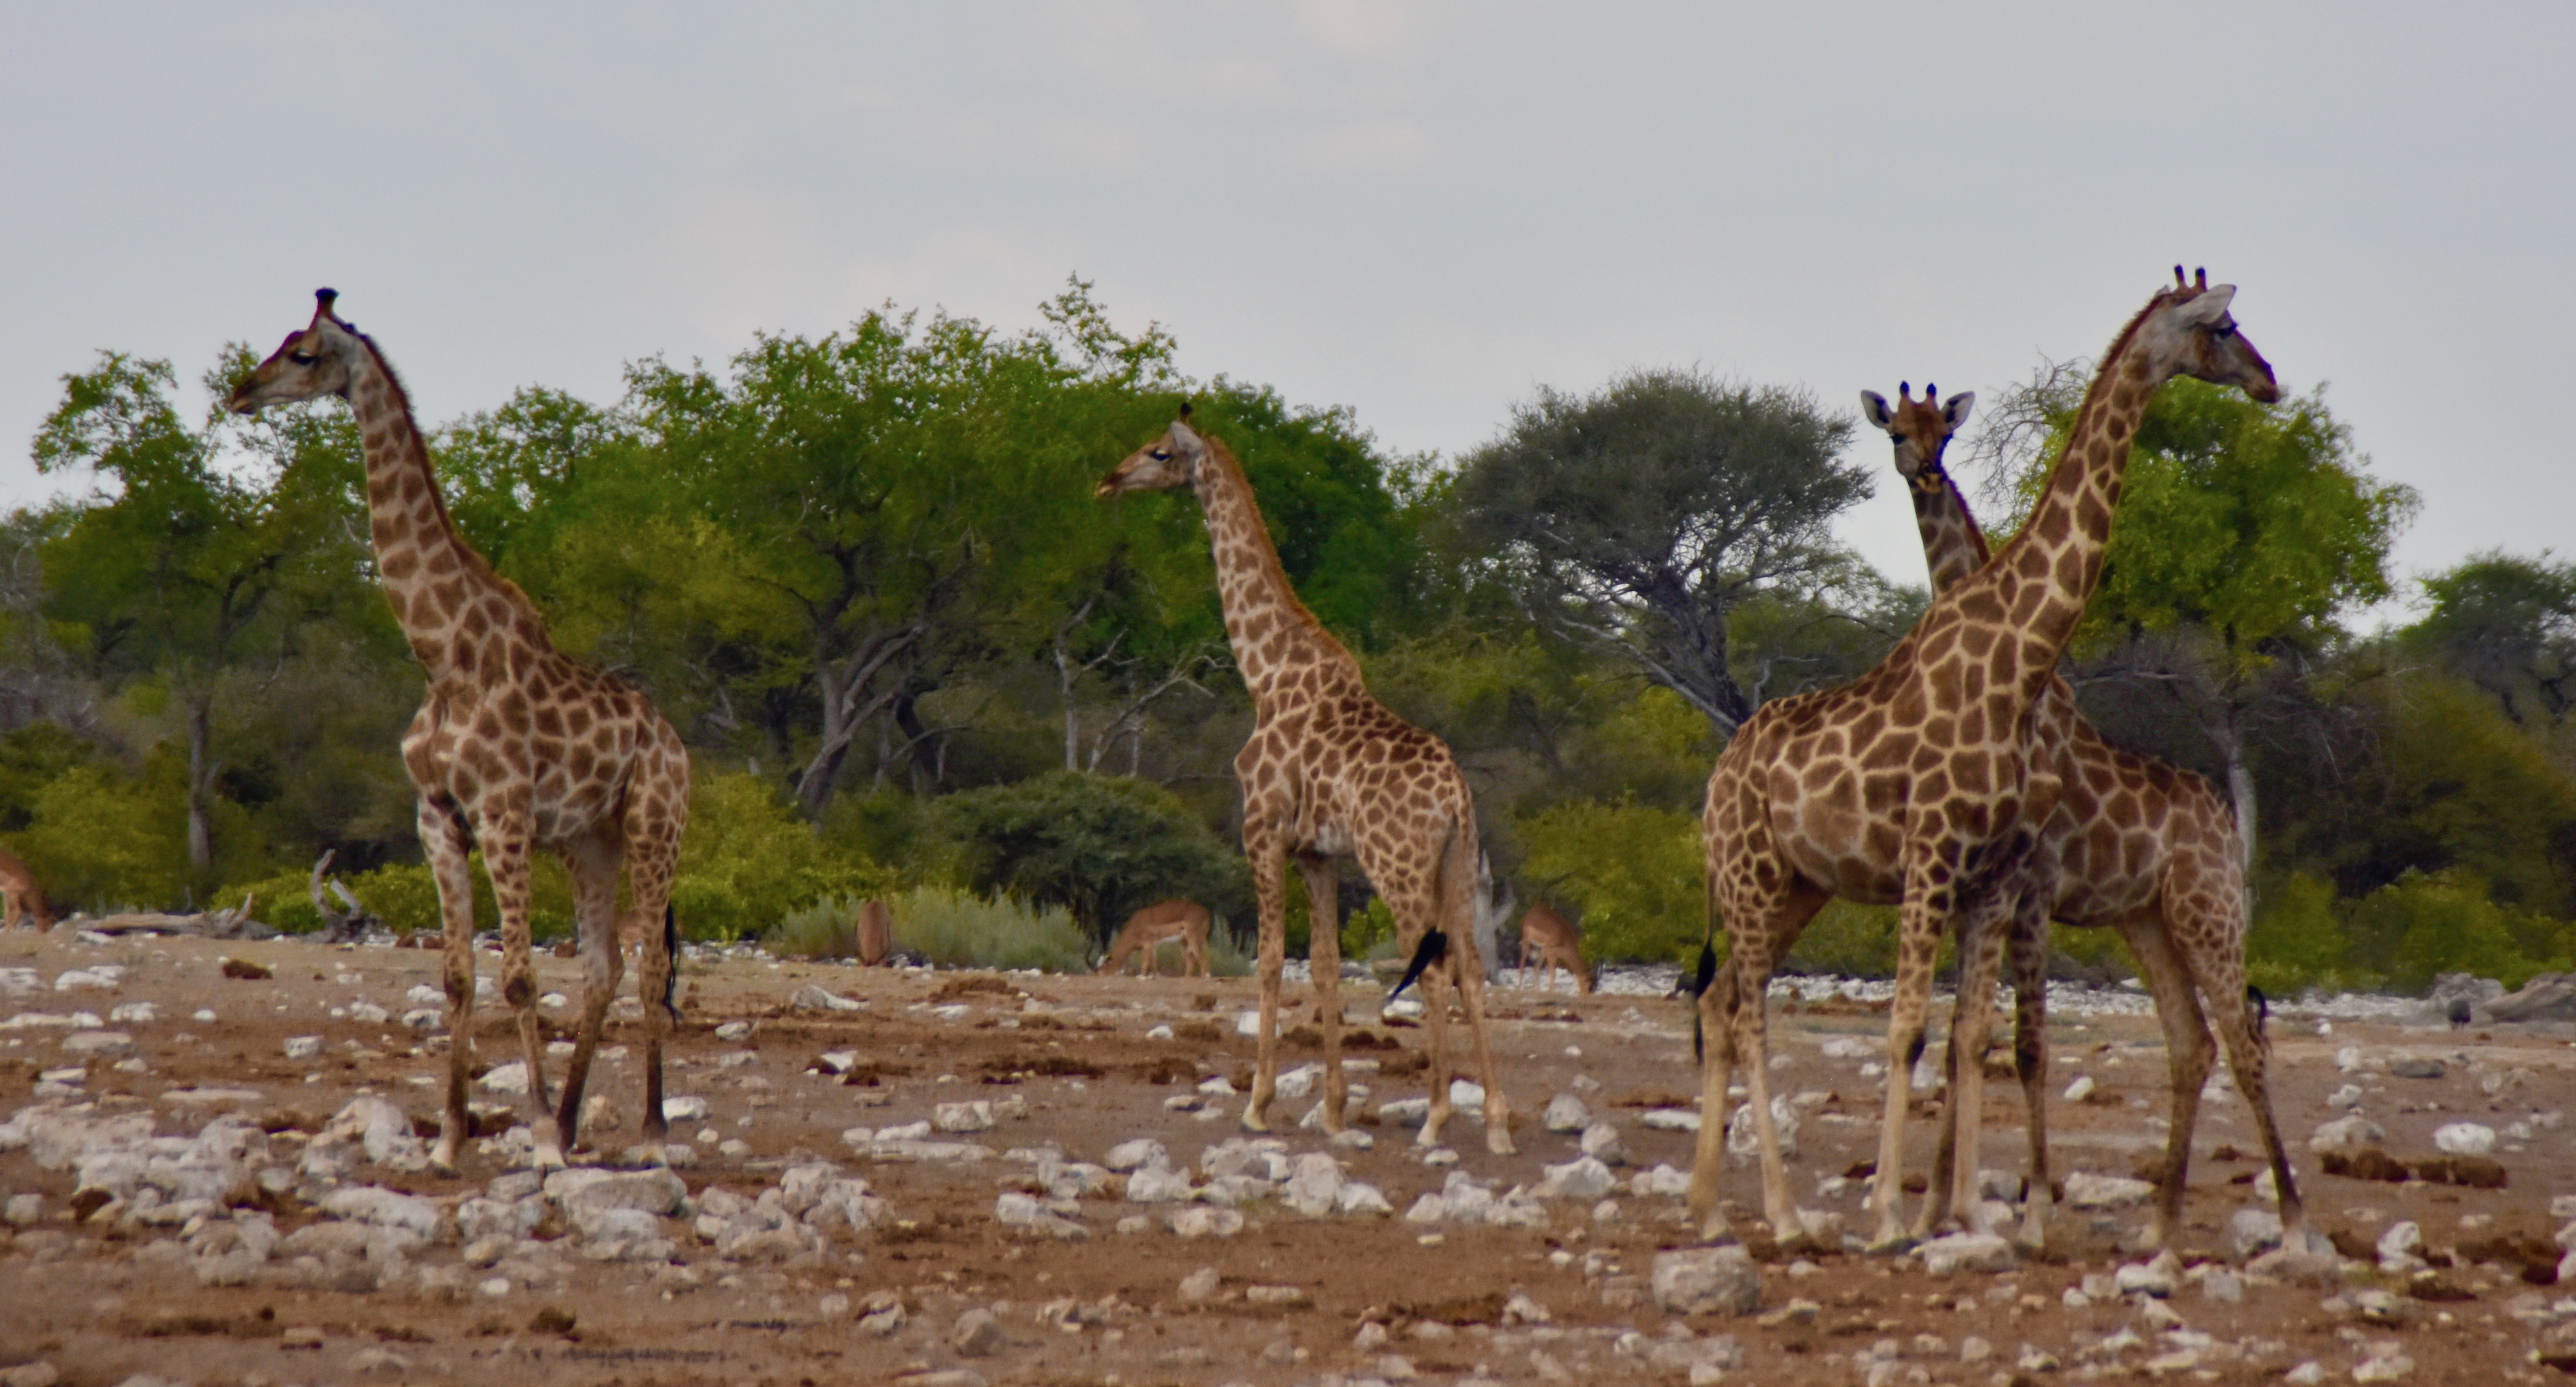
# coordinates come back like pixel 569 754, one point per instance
pixel 22 897
pixel 1925 781
pixel 514 748
pixel 1328 771
pixel 2137 845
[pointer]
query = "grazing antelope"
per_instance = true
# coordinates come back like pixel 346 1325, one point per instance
pixel 1156 925
pixel 20 897
pixel 1557 941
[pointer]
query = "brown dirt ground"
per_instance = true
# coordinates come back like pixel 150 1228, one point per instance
pixel 100 1313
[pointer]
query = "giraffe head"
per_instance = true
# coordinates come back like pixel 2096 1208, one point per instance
pixel 2187 331
pixel 1169 461
pixel 314 360
pixel 1921 430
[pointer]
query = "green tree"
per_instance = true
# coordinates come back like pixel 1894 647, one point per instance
pixel 2507 624
pixel 194 568
pixel 1639 518
pixel 1100 846
pixel 2244 530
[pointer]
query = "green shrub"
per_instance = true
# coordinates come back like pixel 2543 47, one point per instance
pixel 2297 941
pixel 1856 941
pixel 2443 922
pixel 829 928
pixel 1635 876
pixel 748 860
pixel 101 840
pixel 955 929
pixel 405 896
pixel 282 902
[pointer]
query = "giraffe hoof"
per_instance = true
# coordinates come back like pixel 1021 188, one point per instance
pixel 1255 1121
pixel 1893 1242
pixel 547 1158
pixel 1499 1141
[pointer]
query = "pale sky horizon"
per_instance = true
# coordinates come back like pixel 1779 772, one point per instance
pixel 1421 211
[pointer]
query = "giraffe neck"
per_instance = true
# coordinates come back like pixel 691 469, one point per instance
pixel 2048 572
pixel 1273 634
pixel 1951 539
pixel 432 578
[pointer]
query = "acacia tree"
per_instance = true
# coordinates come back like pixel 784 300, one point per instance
pixel 199 566
pixel 1638 519
pixel 2244 531
pixel 2507 624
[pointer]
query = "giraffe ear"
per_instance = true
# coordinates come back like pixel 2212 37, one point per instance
pixel 1187 438
pixel 1954 410
pixel 1873 407
pixel 2209 307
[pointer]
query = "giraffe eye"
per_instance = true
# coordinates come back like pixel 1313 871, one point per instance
pixel 300 358
pixel 1162 456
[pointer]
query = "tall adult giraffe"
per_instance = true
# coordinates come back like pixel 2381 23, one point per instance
pixel 2137 845
pixel 1927 779
pixel 514 748
pixel 1329 770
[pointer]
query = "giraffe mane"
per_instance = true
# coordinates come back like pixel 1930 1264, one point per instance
pixel 1268 550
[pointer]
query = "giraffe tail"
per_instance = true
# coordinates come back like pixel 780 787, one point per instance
pixel 670 951
pixel 1697 986
pixel 2262 1014
pixel 1433 948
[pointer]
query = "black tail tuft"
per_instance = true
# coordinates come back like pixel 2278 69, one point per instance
pixel 671 955
pixel 1697 984
pixel 1434 947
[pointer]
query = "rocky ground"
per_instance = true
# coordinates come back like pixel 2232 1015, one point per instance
pixel 213 1170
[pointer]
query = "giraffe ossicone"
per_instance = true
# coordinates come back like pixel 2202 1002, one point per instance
pixel 515 748
pixel 1327 771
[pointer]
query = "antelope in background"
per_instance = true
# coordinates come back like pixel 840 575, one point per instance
pixel 20 896
pixel 1557 941
pixel 1156 925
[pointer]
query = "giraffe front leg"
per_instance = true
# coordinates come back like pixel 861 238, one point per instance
pixel 2030 1063
pixel 1471 988
pixel 1953 1190
pixel 1752 1022
pixel 445 843
pixel 1324 965
pixel 1270 893
pixel 1926 911
pixel 1435 1014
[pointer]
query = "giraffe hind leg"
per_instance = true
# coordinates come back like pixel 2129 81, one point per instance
pixel 594 864
pixel 446 844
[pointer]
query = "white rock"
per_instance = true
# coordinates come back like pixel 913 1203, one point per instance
pixel 1359 1197
pixel 2250 1231
pixel 1843 1047
pixel 1431 1208
pixel 1291 1085
pixel 657 1191
pixel 975 1116
pixel 1587 1178
pixel 1670 1120
pixel 2345 1098
pixel 382 1130
pixel 2223 1287
pixel 2081 1089
pixel 1701 1280
pixel 2398 1246
pixel 2464 1138
pixel 1958 1252
pixel 132 1014
pixel 303 1047
pixel 2158 1278
pixel 1466 1093
pixel 1132 1155
pixel 1157 1185
pixel 2086 1190
pixel 2347 1133
pixel 1315 1186
pixel 1601 1141
pixel 1566 1113
pixel 98 1043
pixel 100 979
pixel 1743 1141
pixel 368 1013
pixel 1663 1179
pixel 1205 1221
pixel 813 998
pixel 684 1108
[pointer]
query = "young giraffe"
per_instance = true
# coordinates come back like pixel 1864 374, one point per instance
pixel 2137 845
pixel 514 748
pixel 1927 779
pixel 1329 770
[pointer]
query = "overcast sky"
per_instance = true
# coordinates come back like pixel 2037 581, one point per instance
pixel 1422 211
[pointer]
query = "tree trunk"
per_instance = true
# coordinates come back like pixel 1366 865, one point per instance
pixel 2226 729
pixel 201 779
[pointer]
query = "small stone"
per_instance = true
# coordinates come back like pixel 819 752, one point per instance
pixel 2464 1138
pixel 2345 1098
pixel 976 1334
pixel 1275 1295
pixel 2347 1134
pixel 1566 1113
pixel 2223 1287
pixel 1371 1337
pixel 2411 1068
pixel 2081 1089
pixel 2251 1230
pixel 1586 1178
pixel 1958 1252
pixel 2157 1278
pixel 1674 1120
pixel 37 1374
pixel 685 1108
pixel 733 1030
pixel 303 1336
pixel 303 1047
pixel 2307 1374
pixel 1703 1279
pixel 1200 1221
pixel 1601 1142
pixel 1975 1350
pixel 1133 1155
pixel 2085 1190
pixel 1199 1286
pixel 975 1116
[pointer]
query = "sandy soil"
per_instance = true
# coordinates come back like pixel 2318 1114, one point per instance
pixel 102 1294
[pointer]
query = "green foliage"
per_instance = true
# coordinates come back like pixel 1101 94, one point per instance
pixel 282 902
pixel 1100 846
pixel 1635 876
pixel 2428 923
pixel 2296 939
pixel 1368 933
pixel 1852 940
pixel 2507 624
pixel 957 929
pixel 104 841
pixel 748 860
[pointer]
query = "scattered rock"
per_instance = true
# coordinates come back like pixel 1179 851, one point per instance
pixel 2086 1190
pixel 1204 1221
pixel 1674 1120
pixel 1587 1178
pixel 2548 997
pixel 303 1047
pixel 974 1116
pixel 2414 1068
pixel 2157 1278
pixel 2346 1134
pixel 1136 1154
pixel 2464 1139
pixel 976 1334
pixel 246 970
pixel 2250 1231
pixel 1566 1113
pixel 1199 1286
pixel 1601 1142
pixel 1958 1252
pixel 1315 1186
pixel 813 998
pixel 1703 1280
pixel 1743 1142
